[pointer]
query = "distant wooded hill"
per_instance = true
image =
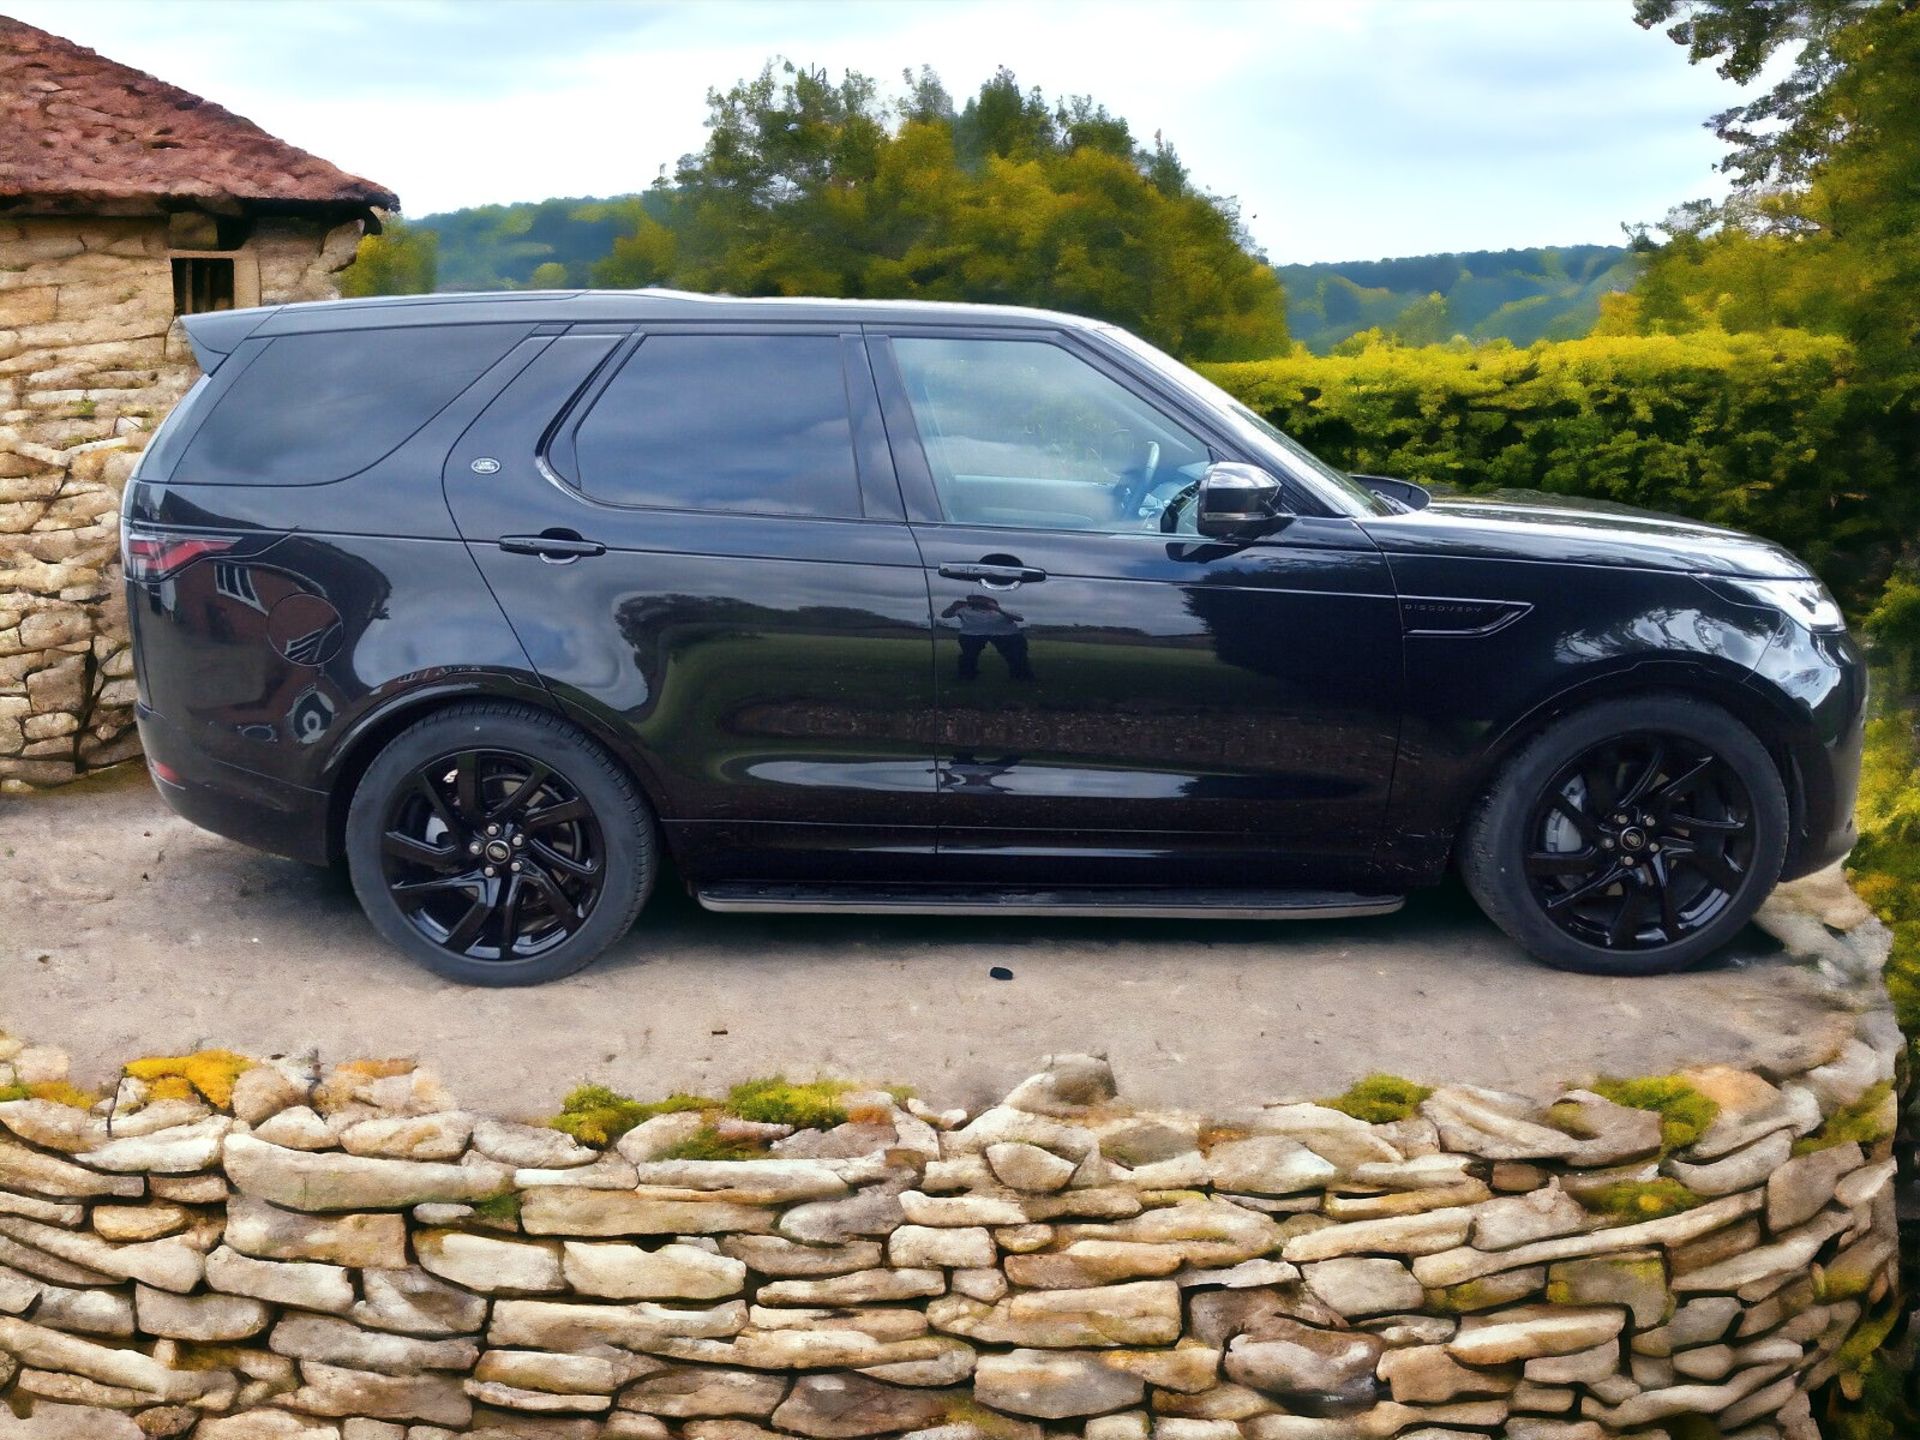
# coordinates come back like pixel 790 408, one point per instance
pixel 1550 293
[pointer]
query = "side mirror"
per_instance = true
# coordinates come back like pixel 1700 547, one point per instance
pixel 1236 500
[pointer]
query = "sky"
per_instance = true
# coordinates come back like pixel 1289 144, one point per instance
pixel 1348 129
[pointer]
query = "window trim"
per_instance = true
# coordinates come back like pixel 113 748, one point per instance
pixel 924 506
pixel 876 490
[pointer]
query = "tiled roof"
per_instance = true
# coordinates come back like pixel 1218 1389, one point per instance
pixel 81 132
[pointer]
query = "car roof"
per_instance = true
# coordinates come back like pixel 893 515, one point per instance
pixel 223 330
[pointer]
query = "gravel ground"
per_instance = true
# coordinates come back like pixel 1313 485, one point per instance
pixel 126 931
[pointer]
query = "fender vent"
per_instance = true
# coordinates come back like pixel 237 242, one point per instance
pixel 1440 615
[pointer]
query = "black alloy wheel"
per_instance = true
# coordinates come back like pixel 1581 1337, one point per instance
pixel 1640 842
pixel 1634 837
pixel 491 855
pixel 497 845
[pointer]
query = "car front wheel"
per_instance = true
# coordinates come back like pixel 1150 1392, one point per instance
pixel 496 845
pixel 1634 837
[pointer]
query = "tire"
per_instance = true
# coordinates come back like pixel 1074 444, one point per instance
pixel 567 863
pixel 1546 854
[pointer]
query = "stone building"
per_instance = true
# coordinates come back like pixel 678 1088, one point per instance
pixel 124 203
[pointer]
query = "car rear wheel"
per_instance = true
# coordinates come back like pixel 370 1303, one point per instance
pixel 498 846
pixel 1635 837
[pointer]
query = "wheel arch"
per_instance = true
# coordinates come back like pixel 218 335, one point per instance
pixel 375 730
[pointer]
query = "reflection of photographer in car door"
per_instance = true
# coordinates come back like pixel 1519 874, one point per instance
pixel 983 621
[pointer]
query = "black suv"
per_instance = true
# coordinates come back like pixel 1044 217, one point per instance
pixel 913 607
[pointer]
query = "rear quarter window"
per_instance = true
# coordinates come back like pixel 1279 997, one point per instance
pixel 315 408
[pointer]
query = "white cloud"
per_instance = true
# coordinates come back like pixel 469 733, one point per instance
pixel 1348 130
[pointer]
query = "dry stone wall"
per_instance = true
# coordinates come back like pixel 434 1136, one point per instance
pixel 277 1251
pixel 91 359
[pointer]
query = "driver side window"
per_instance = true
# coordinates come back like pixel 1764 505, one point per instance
pixel 1024 433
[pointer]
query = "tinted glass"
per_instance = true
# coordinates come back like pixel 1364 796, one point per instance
pixel 1021 432
pixel 754 423
pixel 314 408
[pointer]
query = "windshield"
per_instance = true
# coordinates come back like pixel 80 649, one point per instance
pixel 1346 495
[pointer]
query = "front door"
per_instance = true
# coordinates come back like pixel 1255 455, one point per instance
pixel 706 558
pixel 1110 686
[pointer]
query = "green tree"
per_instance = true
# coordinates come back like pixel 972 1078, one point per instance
pixel 400 260
pixel 548 275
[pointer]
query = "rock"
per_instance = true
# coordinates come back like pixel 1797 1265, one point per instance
pixel 1493 1126
pixel 1428 1375
pixel 565 1210
pixel 961 1210
pixel 842 1142
pixel 306 1286
pixel 1427 1233
pixel 1142 1313
pixel 48 1176
pixel 331 1390
pixel 609 1172
pixel 1750 1109
pixel 177 1151
pixel 1792 1252
pixel 265 1425
pixel 203 1318
pixel 1268 1165
pixel 1543 1214
pixel 951 1366
pixel 686 1392
pixel 296 1128
pixel 860 1288
pixel 1844 1080
pixel 1742 1170
pixel 1637 1280
pixel 1070 1085
pixel 840 1407
pixel 1454 1267
pixel 1580 1367
pixel 43 1348
pixel 1094 1262
pixel 298 1180
pixel 529 1146
pixel 1529 1331
pixel 657 1134
pixel 1206 1232
pixel 54 1126
pixel 164 1264
pixel 988 1284
pixel 561 1374
pixel 265 1090
pixel 1245 1275
pixel 87 1310
pixel 1053 1386
pixel 1332 1134
pixel 534 1402
pixel 123 1223
pixel 442 1135
pixel 1608 1132
pixel 337 1342
pixel 163 1422
pixel 1002 1124
pixel 489 1265
pixel 1303 1363
pixel 267 1233
pixel 1021 1166
pixel 755 1182
pixel 921 1246
pixel 875 1210
pixel 189 1189
pixel 778 1256
pixel 413 1302
pixel 674 1271
pixel 1802 1187
pixel 559 1325
pixel 1357 1287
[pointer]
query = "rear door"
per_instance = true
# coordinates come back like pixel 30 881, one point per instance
pixel 1130 701
pixel 697 534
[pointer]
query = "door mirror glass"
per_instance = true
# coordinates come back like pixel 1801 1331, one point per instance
pixel 1237 500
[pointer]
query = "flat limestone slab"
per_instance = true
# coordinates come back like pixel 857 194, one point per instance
pixel 129 932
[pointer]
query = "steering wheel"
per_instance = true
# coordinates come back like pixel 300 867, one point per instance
pixel 1170 515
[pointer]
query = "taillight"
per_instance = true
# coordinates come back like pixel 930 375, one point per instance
pixel 155 557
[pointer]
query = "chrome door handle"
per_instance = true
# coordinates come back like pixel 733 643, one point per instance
pixel 997 577
pixel 558 546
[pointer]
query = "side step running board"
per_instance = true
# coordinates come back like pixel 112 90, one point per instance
pixel 1084 901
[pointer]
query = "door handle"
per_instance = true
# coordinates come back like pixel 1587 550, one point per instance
pixel 995 577
pixel 558 546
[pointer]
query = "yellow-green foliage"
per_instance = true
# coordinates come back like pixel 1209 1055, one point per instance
pixel 504 1207
pixel 1470 1296
pixel 1774 431
pixel 596 1115
pixel 62 1093
pixel 1380 1099
pixel 707 1143
pixel 1885 865
pixel 14 1091
pixel 211 1072
pixel 776 1100
pixel 1684 1112
pixel 1862 1123
pixel 1640 1199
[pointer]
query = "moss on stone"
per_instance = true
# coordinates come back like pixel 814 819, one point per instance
pixel 1641 1199
pixel 1862 1122
pixel 707 1143
pixel 1684 1112
pixel 1380 1099
pixel 988 1423
pixel 60 1092
pixel 595 1115
pixel 503 1208
pixel 1470 1296
pixel 14 1091
pixel 210 1072
pixel 775 1100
